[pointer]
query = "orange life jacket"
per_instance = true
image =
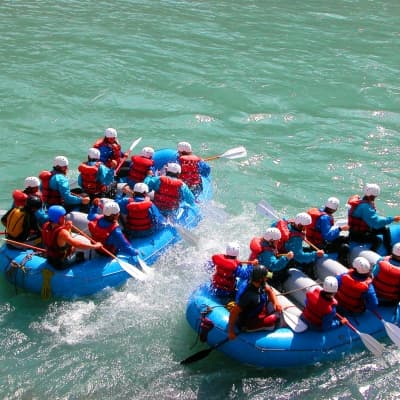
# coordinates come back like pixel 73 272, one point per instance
pixel 387 282
pixel 357 224
pixel 167 197
pixel 138 217
pixel 49 196
pixel 140 168
pixel 190 169
pixel 350 292
pixel 313 234
pixel 100 234
pixel 89 178
pixel 257 247
pixel 317 307
pixel 224 276
pixel 49 237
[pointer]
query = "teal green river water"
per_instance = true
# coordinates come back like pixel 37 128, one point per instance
pixel 311 89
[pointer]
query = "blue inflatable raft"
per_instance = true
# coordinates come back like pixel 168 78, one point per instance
pixel 30 271
pixel 291 347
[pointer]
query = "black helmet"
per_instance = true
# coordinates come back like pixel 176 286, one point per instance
pixel 259 272
pixel 33 202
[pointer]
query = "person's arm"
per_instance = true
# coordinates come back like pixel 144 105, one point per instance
pixel 295 244
pixel 372 218
pixel 105 175
pixel 186 195
pixel 329 321
pixel 65 237
pixel 153 182
pixel 204 168
pixel 370 299
pixel 273 298
pixel 121 243
pixel 329 232
pixel 233 317
pixel 60 182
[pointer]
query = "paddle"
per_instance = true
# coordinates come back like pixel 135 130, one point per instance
pixel 28 246
pixel 124 158
pixel 293 321
pixel 263 207
pixel 370 343
pixel 392 330
pixel 237 152
pixel 203 353
pixel 129 268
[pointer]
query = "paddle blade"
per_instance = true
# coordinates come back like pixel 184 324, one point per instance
pixel 134 144
pixel 262 209
pixel 294 322
pixel 197 356
pixel 131 270
pixel 144 267
pixel 393 331
pixel 372 344
pixel 237 152
pixel 189 237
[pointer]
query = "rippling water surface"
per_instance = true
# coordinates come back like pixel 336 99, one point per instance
pixel 311 89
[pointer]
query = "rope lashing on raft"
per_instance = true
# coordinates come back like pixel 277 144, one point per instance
pixel 14 266
pixel 46 286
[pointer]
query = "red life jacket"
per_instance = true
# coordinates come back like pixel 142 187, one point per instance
pixel 224 275
pixel 350 292
pixel 312 233
pixel 49 237
pixel 138 217
pixel 286 233
pixel 357 224
pixel 115 149
pixel 100 234
pixel 89 182
pixel 168 197
pixel 190 169
pixel 317 307
pixel 139 168
pixel 19 198
pixel 387 282
pixel 50 196
pixel 256 247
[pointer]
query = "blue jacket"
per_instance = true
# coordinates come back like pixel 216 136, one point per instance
pixel 116 238
pixel 328 231
pixel 368 214
pixel 272 262
pixel 60 182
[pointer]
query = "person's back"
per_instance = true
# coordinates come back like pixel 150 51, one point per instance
pixel 141 166
pixel 356 292
pixel 320 308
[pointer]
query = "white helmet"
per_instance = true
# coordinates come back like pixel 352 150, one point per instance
pixel 147 152
pixel 141 187
pixel 110 208
pixel 232 249
pixel 332 203
pixel 93 153
pixel 31 182
pixel 272 234
pixel 174 168
pixel 330 284
pixel 60 161
pixel 361 265
pixel 372 189
pixel 396 249
pixel 184 147
pixel 303 219
pixel 110 133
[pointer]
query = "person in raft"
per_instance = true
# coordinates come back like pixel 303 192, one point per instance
pixel 265 250
pixel 320 310
pixel 356 291
pixel 364 221
pixel 105 229
pixel 386 277
pixel 31 188
pixel 257 307
pixel 193 168
pixel 60 245
pixel 324 234
pixel 227 268
pixel 141 166
pixel 55 187
pixel 169 190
